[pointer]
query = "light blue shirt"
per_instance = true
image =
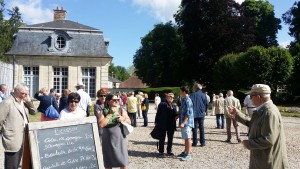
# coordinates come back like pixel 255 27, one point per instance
pixel 2 96
pixel 187 109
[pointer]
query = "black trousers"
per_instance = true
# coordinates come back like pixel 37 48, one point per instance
pixel 162 140
pixel 13 159
pixel 132 117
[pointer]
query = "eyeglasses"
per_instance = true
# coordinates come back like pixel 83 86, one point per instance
pixel 171 97
pixel 102 96
pixel 253 95
pixel 74 101
pixel 115 100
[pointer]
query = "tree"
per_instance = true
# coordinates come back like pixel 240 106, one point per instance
pixel 158 60
pixel 292 17
pixel 225 73
pixel 8 28
pixel 266 24
pixel 294 81
pixel 282 66
pixel 254 66
pixel 210 30
pixel 118 72
pixel 272 66
pixel 131 70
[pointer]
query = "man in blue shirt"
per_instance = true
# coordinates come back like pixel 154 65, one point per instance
pixel 186 123
pixel 200 106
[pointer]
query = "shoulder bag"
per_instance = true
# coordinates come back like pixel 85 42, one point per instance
pixel 155 133
pixel 51 112
pixel 126 128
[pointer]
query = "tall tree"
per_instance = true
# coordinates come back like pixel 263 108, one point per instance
pixel 266 24
pixel 158 60
pixel 292 17
pixel 210 30
pixel 131 70
pixel 8 28
pixel 118 72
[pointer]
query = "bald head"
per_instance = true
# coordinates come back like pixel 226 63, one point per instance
pixel 21 91
pixel 229 93
pixel 3 88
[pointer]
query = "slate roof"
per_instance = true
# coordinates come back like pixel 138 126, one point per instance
pixel 37 40
pixel 114 80
pixel 62 24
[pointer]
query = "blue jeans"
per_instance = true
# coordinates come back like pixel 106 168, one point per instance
pixel 199 123
pixel 218 116
pixel 145 117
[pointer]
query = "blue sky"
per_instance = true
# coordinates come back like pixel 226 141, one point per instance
pixel 123 22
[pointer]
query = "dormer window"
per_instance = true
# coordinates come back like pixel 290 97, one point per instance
pixel 60 42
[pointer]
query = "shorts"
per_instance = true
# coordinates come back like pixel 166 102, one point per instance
pixel 186 132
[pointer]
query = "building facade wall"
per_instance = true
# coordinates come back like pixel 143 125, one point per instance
pixel 74 65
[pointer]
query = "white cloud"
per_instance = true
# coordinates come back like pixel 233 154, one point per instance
pixel 32 11
pixel 284 43
pixel 239 1
pixel 163 10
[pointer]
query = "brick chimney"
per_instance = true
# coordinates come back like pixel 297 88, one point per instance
pixel 60 14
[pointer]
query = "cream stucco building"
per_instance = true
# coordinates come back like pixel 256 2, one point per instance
pixel 59 54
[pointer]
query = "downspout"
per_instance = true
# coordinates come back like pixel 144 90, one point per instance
pixel 14 68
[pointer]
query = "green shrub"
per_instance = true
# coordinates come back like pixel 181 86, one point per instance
pixel 161 91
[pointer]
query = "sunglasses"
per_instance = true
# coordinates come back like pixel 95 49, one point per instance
pixel 74 101
pixel 115 100
pixel 102 96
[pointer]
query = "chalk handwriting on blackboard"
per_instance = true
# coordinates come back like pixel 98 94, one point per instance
pixel 71 147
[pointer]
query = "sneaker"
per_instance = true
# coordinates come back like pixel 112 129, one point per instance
pixel 186 157
pixel 182 154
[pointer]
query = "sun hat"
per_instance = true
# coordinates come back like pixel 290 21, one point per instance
pixel 79 84
pixel 260 88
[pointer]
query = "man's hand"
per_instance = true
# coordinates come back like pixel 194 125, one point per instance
pixel 181 125
pixel 232 112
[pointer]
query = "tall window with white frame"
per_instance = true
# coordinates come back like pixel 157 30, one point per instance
pixel 31 79
pixel 60 79
pixel 89 80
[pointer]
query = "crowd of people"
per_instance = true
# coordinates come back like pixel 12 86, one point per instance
pixel 266 140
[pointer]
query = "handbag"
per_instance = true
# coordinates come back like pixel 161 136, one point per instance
pixel 155 133
pixel 144 107
pixel 51 112
pixel 127 128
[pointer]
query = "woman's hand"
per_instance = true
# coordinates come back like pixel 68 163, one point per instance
pixel 121 118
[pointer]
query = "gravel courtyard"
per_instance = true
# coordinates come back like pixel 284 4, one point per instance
pixel 215 155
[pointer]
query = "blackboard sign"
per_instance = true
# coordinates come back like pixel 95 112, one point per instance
pixel 65 144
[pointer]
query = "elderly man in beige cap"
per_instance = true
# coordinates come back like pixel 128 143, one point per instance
pixel 266 140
